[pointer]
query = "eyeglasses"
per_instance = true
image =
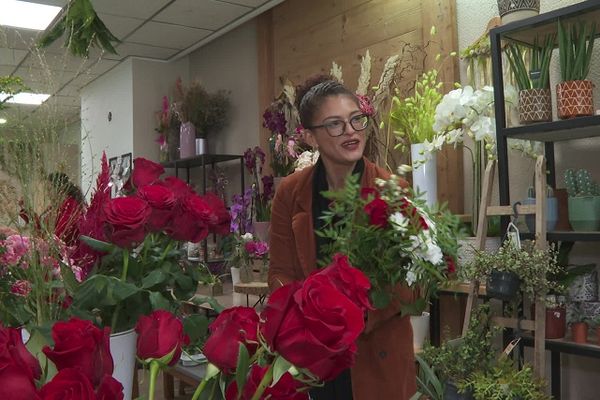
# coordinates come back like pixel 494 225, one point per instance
pixel 337 127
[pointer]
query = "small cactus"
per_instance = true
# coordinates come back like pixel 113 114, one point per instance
pixel 571 182
pixel 579 183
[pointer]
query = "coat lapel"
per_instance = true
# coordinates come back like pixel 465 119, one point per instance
pixel 302 226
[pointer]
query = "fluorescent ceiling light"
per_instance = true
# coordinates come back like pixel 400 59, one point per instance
pixel 25 98
pixel 2 121
pixel 23 14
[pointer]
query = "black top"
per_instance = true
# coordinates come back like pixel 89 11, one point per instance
pixel 320 203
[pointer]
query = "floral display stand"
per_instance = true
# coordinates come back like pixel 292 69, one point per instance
pixel 260 289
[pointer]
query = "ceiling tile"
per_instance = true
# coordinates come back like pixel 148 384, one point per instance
pixel 68 101
pixel 167 35
pixel 248 3
pixel 206 14
pixel 59 3
pixel 11 56
pixel 102 66
pixel 142 9
pixel 22 39
pixel 120 26
pixel 142 50
pixel 82 80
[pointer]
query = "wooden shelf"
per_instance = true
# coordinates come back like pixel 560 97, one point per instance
pixel 555 131
pixel 565 345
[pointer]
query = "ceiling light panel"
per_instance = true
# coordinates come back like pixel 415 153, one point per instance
pixel 27 15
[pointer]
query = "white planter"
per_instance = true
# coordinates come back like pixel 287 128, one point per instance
pixel 201 146
pixel 420 328
pixel 122 350
pixel 238 298
pixel 424 172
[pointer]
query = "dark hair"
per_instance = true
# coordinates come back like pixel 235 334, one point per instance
pixel 311 94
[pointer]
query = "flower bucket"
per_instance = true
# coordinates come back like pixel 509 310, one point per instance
pixel 201 146
pixel 122 350
pixel 579 332
pixel 187 140
pixel 556 322
pixel 261 230
pixel 514 10
pixel 584 213
pixel 584 288
pixel 551 214
pixel 424 175
pixel 451 392
pixel 535 105
pixel 420 328
pixel 503 285
pixel 575 99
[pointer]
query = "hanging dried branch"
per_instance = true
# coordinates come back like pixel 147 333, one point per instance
pixel 336 72
pixel 365 74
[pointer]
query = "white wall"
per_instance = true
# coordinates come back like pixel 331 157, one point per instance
pixel 112 92
pixel 472 19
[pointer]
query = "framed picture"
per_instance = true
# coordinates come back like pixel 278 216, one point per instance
pixel 126 167
pixel 120 171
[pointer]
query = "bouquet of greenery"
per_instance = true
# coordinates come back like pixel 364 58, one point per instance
pixel 389 234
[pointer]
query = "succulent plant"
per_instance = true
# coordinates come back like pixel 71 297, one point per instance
pixel 579 183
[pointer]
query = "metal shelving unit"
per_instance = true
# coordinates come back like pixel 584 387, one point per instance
pixel 524 32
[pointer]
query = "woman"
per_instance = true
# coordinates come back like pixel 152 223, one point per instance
pixel 335 125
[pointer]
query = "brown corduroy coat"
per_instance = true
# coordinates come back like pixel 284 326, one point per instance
pixel 385 366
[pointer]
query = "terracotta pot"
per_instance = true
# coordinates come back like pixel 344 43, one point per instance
pixel 579 332
pixel 575 99
pixel 535 105
pixel 556 322
pixel 598 335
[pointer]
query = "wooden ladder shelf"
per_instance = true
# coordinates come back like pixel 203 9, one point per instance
pixel 539 209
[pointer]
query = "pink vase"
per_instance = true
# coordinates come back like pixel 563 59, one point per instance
pixel 187 140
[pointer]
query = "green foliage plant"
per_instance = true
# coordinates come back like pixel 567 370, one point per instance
pixel 575 43
pixel 537 77
pixel 10 86
pixel 208 112
pixel 533 267
pixel 579 183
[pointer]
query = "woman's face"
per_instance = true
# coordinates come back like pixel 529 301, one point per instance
pixel 347 148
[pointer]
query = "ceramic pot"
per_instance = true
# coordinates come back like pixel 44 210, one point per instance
pixel 122 350
pixel 556 322
pixel 424 175
pixel 451 392
pixel 535 105
pixel 187 140
pixel 584 288
pixel 201 146
pixel 551 214
pixel 514 10
pixel 579 332
pixel 503 285
pixel 584 213
pixel 420 328
pixel 590 310
pixel 575 99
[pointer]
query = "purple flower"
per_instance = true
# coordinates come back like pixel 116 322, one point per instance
pixel 275 121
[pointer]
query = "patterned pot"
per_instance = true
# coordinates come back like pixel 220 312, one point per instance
pixel 575 99
pixel 584 288
pixel 514 10
pixel 535 105
pixel 590 309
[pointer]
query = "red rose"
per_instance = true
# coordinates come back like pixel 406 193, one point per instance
pixel 161 199
pixel 313 326
pixel 126 218
pixel 109 389
pixel 451 266
pixel 285 389
pixel 179 187
pixel 81 345
pixel 68 384
pixel 16 383
pixel 159 334
pixel 377 210
pixel 233 326
pixel 191 219
pixel 223 218
pixel 14 353
pixel 145 172
pixel 367 192
pixel 348 280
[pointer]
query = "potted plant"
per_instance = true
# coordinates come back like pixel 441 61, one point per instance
pixel 596 324
pixel 574 95
pixel 579 325
pixel 551 209
pixel 511 269
pixel 457 360
pixel 262 191
pixel 213 281
pixel 535 104
pixel 505 381
pixel 514 10
pixel 584 200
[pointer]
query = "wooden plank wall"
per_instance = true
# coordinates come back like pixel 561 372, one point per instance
pixel 300 38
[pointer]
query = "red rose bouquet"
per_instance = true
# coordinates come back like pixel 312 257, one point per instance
pixel 306 335
pixel 390 235
pixel 141 267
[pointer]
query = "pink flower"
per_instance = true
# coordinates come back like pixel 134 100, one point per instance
pixel 365 105
pixel 291 148
pixel 278 143
pixel 261 249
pixel 21 288
pixel 16 247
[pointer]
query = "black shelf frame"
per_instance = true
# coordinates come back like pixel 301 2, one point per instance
pixel 523 32
pixel 202 161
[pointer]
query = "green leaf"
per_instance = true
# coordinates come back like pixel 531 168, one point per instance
pixel 280 367
pixel 415 308
pixel 380 298
pixel 158 301
pixel 98 245
pixel 154 278
pixel 195 326
pixel 211 301
pixel 243 366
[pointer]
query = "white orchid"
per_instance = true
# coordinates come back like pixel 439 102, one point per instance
pixel 399 222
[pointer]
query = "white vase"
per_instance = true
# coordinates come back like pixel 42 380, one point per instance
pixel 201 146
pixel 424 172
pixel 238 298
pixel 122 350
pixel 420 328
pixel 187 140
